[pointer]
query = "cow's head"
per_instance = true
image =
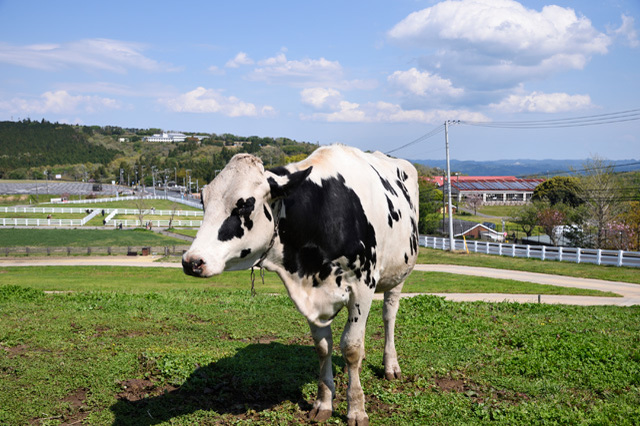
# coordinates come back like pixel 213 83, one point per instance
pixel 239 223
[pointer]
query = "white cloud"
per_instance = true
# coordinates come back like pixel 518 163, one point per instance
pixel 419 83
pixel 240 59
pixel 332 107
pixel 627 31
pixel 201 100
pixel 543 102
pixel 500 40
pixel 59 102
pixel 321 98
pixel 305 72
pixel 100 54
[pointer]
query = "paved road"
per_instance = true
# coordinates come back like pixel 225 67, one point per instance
pixel 630 292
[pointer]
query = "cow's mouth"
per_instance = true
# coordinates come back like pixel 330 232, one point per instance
pixel 193 267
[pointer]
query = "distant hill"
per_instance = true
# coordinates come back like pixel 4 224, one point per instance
pixel 25 144
pixel 520 168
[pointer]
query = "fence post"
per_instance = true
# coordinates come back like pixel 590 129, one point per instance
pixel 500 249
pixel 542 254
pixel 486 247
pixel 599 257
pixel 68 251
pixel 48 251
pixel 89 251
pixel 475 246
pixel 528 251
pixel 620 255
pixel 513 250
pixel 27 250
pixel 578 251
pixel 560 254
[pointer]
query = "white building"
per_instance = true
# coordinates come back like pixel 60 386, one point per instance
pixel 166 137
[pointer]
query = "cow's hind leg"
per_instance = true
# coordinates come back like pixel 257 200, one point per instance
pixel 389 311
pixel 323 406
pixel 352 345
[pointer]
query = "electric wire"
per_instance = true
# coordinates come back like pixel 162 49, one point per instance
pixel 588 120
pixel 422 138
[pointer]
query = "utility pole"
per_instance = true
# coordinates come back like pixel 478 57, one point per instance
pixel 446 140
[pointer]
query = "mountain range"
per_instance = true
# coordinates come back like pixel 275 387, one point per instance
pixel 523 168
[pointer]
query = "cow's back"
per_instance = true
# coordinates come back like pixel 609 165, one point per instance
pixel 386 189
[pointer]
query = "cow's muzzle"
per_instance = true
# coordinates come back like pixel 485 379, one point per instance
pixel 193 267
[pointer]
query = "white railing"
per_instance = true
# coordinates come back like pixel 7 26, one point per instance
pixel 181 200
pixel 162 223
pixel 567 254
pixel 79 210
pixel 40 222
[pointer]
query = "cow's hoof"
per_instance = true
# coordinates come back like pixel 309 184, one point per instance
pixel 364 421
pixel 317 415
pixel 393 375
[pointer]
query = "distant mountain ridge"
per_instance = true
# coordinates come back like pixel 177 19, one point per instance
pixel 522 168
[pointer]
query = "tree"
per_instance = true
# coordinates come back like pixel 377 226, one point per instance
pixel 559 189
pixel 600 190
pixel 429 203
pixel 473 201
pixel 527 217
pixel 549 219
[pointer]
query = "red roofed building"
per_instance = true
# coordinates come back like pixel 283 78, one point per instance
pixel 494 190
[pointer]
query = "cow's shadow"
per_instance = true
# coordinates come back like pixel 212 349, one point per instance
pixel 257 377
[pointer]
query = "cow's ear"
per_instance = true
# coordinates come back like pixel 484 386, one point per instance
pixel 282 183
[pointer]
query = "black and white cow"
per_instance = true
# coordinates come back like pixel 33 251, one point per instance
pixel 336 227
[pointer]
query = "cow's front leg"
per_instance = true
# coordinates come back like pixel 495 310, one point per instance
pixel 389 311
pixel 352 345
pixel 323 406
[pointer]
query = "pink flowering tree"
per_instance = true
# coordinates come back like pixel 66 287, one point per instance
pixel 550 218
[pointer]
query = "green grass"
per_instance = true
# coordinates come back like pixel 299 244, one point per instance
pixel 10 237
pixel 186 357
pixel 582 270
pixel 129 204
pixel 137 280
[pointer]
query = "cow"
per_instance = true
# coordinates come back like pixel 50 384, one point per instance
pixel 336 227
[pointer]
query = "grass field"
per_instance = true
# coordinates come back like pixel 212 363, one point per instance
pixel 140 280
pixel 582 270
pixel 82 238
pixel 183 356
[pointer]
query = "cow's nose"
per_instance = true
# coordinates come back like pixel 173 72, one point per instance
pixel 192 267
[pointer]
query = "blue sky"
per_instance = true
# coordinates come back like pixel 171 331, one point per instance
pixel 372 74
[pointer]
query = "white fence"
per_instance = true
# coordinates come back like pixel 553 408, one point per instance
pixel 193 203
pixel 567 254
pixel 163 223
pixel 52 210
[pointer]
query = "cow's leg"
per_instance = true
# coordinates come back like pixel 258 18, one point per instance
pixel 323 406
pixel 352 345
pixel 389 311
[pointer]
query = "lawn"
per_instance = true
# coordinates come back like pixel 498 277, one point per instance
pixel 10 237
pixel 209 356
pixel 582 270
pixel 138 280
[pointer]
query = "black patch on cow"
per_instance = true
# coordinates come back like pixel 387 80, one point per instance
pixel 266 213
pixel 339 280
pixel 385 183
pixel 238 220
pixel 244 253
pixel 295 179
pixel 404 191
pixel 406 258
pixel 413 240
pixel 393 214
pixel 323 223
pixel 402 175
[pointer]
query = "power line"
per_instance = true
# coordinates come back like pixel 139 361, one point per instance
pixel 422 138
pixel 588 120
